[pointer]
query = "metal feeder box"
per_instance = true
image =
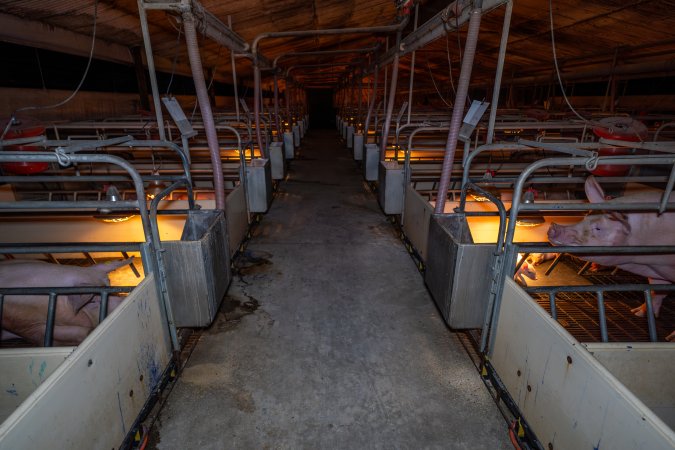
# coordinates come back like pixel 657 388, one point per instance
pixel 390 192
pixel 458 271
pixel 259 185
pixel 277 160
pixel 358 146
pixel 289 148
pixel 371 162
pixel 198 268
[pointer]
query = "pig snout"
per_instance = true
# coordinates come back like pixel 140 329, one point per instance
pixel 562 235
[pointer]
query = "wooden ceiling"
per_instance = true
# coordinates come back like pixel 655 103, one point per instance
pixel 593 37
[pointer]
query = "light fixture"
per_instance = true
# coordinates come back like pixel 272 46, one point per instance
pixel 529 220
pixel 489 188
pixel 154 187
pixel 112 194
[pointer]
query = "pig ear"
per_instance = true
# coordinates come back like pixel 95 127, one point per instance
pixel 622 219
pixel 593 190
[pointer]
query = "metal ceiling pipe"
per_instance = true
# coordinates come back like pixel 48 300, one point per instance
pixel 212 26
pixel 234 73
pixel 437 27
pixel 151 69
pixel 371 105
pixel 412 67
pixel 329 31
pixel 390 102
pixel 500 69
pixel 256 107
pixel 458 107
pixel 204 107
pixel 276 104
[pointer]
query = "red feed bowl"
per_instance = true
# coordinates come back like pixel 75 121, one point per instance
pixel 24 168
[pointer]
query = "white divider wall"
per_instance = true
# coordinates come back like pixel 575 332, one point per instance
pixel 569 399
pixel 92 399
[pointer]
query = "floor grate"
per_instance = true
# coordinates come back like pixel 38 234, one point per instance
pixel 578 311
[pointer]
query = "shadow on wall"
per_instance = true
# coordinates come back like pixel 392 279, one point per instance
pixel 321 111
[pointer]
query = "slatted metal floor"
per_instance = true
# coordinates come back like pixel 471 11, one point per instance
pixel 578 311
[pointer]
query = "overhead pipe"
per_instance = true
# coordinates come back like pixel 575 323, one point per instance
pixel 437 27
pixel 212 26
pixel 458 107
pixel 151 69
pixel 205 107
pixel 304 33
pixel 500 70
pixel 234 73
pixel 371 105
pixel 276 103
pixel 390 102
pixel 412 67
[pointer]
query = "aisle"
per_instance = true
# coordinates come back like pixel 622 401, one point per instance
pixel 328 338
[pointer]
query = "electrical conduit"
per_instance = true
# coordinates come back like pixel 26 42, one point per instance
pixel 204 107
pixel 458 108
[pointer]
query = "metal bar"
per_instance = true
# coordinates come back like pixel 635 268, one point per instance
pixel 551 301
pixel 51 318
pixel 669 189
pixel 500 69
pixel 159 256
pixel 234 72
pixel 27 249
pixel 325 32
pixel 103 308
pixel 412 67
pixel 151 68
pixel 125 255
pixel 371 106
pixel 651 324
pixel 602 317
pixel 437 27
pixel 390 103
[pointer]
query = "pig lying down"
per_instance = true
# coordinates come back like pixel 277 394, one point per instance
pixel 616 228
pixel 25 316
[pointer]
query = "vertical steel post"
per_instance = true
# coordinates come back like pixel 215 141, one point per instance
pixel 256 105
pixel 500 69
pixel 276 104
pixel 373 98
pixel 234 73
pixel 412 68
pixel 390 103
pixel 151 69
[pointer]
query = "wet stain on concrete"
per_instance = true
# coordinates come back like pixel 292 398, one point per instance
pixel 251 262
pixel 231 312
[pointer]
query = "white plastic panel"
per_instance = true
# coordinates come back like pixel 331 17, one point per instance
pixel 644 368
pixel 22 370
pixel 569 399
pixel 95 395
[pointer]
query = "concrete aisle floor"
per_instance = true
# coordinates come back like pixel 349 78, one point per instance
pixel 343 347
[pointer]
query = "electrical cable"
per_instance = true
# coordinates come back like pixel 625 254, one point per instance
pixel 72 95
pixel 436 87
pixel 557 69
pixel 447 50
pixel 175 58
